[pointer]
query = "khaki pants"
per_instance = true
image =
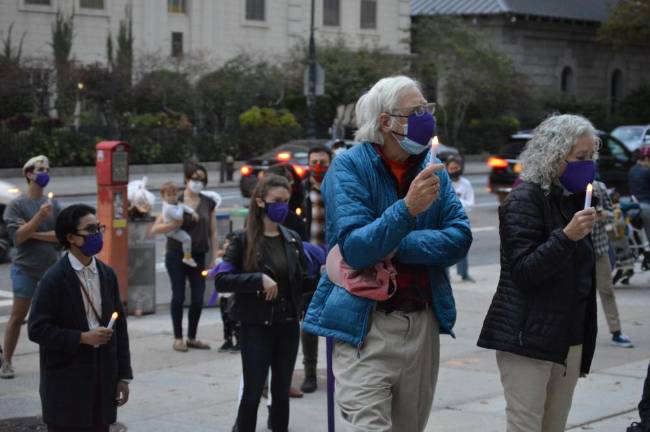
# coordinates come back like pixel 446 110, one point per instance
pixel 538 393
pixel 606 292
pixel 389 384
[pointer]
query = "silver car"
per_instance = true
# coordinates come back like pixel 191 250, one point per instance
pixel 633 136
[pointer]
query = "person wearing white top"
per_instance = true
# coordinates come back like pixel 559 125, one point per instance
pixel 173 211
pixel 465 194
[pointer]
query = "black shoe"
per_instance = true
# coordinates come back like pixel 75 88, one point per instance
pixel 310 384
pixel 637 427
pixel 617 276
pixel 235 348
pixel 227 346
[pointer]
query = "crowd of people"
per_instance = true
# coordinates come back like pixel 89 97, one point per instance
pixel 358 252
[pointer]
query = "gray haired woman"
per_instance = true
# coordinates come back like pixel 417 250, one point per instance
pixel 542 320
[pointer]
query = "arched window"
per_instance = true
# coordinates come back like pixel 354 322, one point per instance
pixel 616 89
pixel 567 81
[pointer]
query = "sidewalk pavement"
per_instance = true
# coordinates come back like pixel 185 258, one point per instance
pixel 197 391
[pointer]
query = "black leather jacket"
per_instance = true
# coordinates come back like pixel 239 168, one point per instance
pixel 532 310
pixel 249 305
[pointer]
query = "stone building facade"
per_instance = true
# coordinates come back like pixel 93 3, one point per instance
pixel 216 29
pixel 554 44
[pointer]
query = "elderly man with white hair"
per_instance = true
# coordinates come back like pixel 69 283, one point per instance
pixel 542 320
pixel 394 224
pixel 30 221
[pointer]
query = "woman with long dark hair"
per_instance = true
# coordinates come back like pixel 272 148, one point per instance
pixel 265 267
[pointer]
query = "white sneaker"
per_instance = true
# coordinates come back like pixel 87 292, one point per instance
pixel 190 262
pixel 7 371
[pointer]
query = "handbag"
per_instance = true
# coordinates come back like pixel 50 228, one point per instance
pixel 375 283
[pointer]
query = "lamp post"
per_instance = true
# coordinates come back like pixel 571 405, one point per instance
pixel 311 94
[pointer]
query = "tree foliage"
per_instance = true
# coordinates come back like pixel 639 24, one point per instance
pixel 62 38
pixel 15 87
pixel 628 25
pixel 349 72
pixel 476 81
pixel 165 91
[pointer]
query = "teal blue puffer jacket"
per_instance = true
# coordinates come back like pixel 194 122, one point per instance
pixel 368 220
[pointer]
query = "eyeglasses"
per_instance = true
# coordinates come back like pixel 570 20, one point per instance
pixel 93 229
pixel 418 110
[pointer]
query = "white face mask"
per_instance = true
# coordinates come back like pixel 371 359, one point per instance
pixel 195 186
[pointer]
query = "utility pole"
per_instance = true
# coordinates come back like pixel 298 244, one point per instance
pixel 311 94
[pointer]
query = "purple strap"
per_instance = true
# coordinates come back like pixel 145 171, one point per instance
pixel 330 385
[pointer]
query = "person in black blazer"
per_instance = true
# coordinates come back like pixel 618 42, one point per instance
pixel 85 367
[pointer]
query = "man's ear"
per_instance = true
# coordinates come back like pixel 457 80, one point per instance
pixel 260 202
pixel 385 122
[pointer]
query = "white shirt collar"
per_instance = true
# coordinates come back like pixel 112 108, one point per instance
pixel 78 266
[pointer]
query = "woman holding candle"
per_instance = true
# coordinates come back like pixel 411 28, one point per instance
pixel 542 320
pixel 85 360
pixel 203 232
pixel 265 268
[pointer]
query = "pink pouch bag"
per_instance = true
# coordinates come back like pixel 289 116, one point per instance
pixel 373 283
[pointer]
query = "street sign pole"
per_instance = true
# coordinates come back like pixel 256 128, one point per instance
pixel 311 93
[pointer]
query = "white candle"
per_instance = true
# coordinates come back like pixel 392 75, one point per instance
pixel 434 147
pixel 112 321
pixel 590 190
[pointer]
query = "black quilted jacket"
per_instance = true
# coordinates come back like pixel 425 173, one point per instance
pixel 531 312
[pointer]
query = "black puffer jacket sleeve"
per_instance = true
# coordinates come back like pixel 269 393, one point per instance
pixel 534 254
pixel 235 280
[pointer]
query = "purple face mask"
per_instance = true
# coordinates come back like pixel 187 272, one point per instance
pixel 277 211
pixel 93 244
pixel 578 175
pixel 417 133
pixel 42 179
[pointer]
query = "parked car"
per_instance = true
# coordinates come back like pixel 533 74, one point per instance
pixel 633 136
pixel 293 152
pixel 8 192
pixel 614 162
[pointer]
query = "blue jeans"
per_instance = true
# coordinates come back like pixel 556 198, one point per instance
pixel 178 274
pixel 463 268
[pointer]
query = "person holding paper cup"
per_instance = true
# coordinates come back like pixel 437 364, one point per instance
pixel 79 323
pixel 542 320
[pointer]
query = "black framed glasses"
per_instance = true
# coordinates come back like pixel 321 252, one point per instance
pixel 93 229
pixel 418 110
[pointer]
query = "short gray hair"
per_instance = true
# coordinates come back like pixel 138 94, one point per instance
pixel 384 96
pixel 551 142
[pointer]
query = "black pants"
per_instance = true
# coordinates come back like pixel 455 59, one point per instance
pixel 309 352
pixel 178 273
pixel 230 327
pixel 263 346
pixel 644 405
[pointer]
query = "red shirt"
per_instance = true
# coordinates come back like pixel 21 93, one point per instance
pixel 412 280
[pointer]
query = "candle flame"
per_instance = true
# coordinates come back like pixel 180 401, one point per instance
pixel 435 141
pixel 590 187
pixel 50 195
pixel 204 273
pixel 114 316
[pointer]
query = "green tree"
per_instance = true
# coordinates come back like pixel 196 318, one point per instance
pixel 349 72
pixel 62 37
pixel 627 25
pixel 120 63
pixel 240 83
pixel 476 80
pixel 163 90
pixel 15 88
